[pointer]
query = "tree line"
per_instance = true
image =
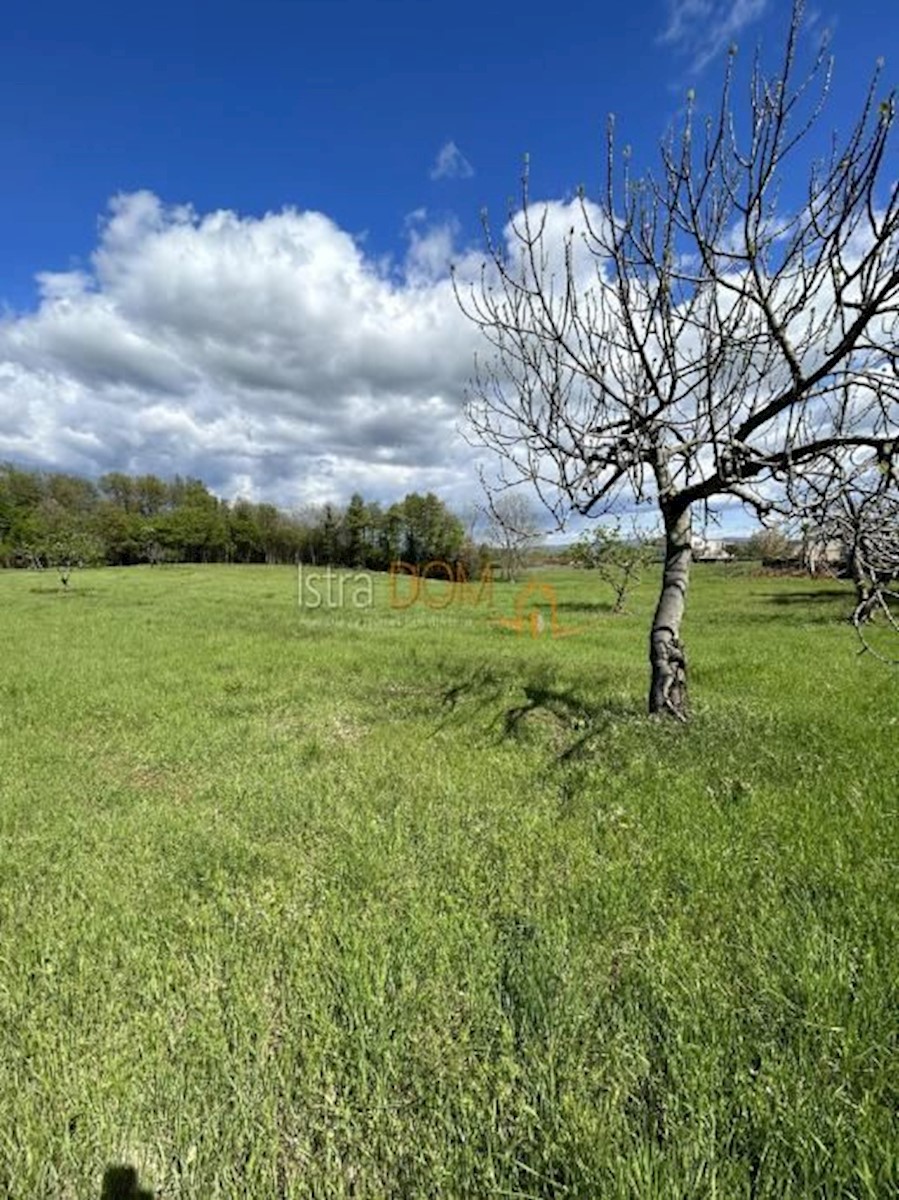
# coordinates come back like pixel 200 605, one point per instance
pixel 54 519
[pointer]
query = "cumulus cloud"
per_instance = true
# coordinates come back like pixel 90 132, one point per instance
pixel 267 355
pixel 431 251
pixel 702 30
pixel 451 163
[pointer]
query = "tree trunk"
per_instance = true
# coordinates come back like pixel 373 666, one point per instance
pixel 865 594
pixel 668 689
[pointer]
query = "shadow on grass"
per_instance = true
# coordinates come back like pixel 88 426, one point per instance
pixel 122 1183
pixel 61 591
pixel 828 595
pixel 574 718
pixel 831 606
pixel 585 720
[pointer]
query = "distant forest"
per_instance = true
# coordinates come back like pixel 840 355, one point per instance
pixel 50 519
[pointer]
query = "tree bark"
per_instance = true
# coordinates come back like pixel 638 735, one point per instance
pixel 865 594
pixel 668 688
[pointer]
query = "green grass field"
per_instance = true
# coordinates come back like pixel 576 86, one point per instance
pixel 398 903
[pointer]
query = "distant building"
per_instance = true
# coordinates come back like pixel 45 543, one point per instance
pixel 709 549
pixel 823 554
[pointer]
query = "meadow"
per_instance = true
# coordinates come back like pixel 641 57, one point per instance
pixel 398 902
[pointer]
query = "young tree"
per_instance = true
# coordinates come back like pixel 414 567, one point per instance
pixel 66 542
pixel 73 548
pixel 512 527
pixel 689 337
pixel 619 562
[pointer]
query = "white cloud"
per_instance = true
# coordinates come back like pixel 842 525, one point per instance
pixel 702 30
pixel 451 163
pixel 267 355
pixel 431 252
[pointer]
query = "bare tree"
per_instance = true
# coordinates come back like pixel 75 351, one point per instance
pixel 683 341
pixel 512 526
pixel 851 501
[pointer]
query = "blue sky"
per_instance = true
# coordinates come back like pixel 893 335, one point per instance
pixel 265 304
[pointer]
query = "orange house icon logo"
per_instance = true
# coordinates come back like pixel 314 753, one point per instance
pixel 530 604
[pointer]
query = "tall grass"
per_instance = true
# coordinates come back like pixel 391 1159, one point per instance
pixel 381 903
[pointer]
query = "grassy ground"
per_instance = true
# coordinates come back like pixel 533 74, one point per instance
pixel 399 903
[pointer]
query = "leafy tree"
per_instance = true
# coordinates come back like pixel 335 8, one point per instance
pixel 119 489
pixel 244 531
pixel 71 492
pixel 770 543
pixel 271 528
pixel 20 494
pixel 689 338
pixel 431 533
pixel 197 528
pixel 355 532
pixel 151 495
pixel 329 535
pixel 390 536
pixel 119 533
pixel 73 548
pixel 64 540
pixel 152 548
pixel 739 551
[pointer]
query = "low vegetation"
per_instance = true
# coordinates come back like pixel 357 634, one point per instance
pixel 395 902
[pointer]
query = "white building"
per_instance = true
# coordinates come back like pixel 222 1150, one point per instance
pixel 708 549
